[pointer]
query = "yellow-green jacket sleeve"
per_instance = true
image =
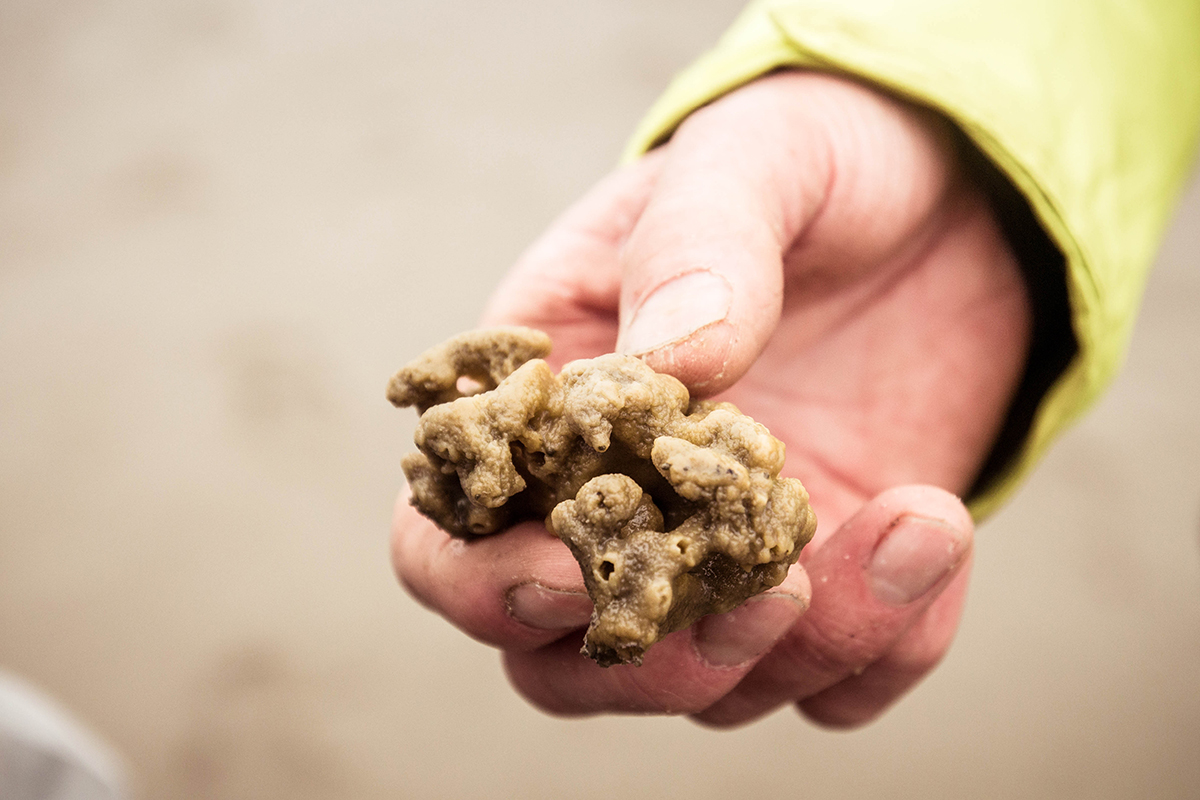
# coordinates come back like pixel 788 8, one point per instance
pixel 1089 107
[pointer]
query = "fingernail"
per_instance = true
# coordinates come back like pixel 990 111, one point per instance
pixel 548 609
pixel 751 629
pixel 912 557
pixel 676 310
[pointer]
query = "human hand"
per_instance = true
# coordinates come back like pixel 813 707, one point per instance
pixel 809 250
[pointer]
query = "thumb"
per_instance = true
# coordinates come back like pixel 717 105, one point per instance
pixel 702 283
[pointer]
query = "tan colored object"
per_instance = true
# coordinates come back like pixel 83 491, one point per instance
pixel 673 508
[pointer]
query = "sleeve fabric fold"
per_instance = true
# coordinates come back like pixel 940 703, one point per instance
pixel 1090 108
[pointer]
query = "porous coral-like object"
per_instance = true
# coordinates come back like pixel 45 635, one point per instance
pixel 673 507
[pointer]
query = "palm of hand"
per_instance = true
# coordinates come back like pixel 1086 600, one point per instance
pixel 893 360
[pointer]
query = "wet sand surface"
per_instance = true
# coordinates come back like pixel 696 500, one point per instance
pixel 223 225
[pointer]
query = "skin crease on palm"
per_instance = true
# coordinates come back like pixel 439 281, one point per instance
pixel 861 303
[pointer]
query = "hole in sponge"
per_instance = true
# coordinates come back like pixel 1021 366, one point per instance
pixel 606 569
pixel 468 386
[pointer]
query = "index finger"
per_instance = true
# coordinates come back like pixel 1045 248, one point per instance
pixel 518 589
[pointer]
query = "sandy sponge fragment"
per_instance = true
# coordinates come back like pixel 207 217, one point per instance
pixel 673 508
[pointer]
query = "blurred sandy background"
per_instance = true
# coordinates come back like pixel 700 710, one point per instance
pixel 224 223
